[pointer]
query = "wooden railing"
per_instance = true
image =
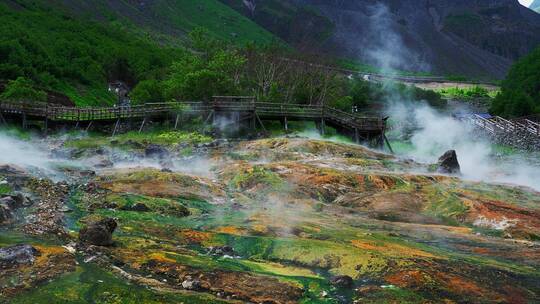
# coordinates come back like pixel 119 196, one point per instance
pixel 498 124
pixel 263 109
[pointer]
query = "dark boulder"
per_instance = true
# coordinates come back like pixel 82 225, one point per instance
pixel 221 250
pixel 18 254
pixel 98 233
pixel 17 200
pixel 342 281
pixel 154 150
pixel 6 214
pixel 448 163
pixel 140 207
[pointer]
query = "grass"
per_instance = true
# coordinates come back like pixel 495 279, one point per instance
pixel 473 92
pixel 126 140
pixel 90 284
pixel 87 96
pixel 158 205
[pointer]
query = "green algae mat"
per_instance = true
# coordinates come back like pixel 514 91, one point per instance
pixel 271 221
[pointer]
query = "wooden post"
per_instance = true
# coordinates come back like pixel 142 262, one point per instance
pixel 176 122
pixel 286 123
pixel 260 121
pixel 142 125
pixel 24 123
pixel 45 125
pixel 116 127
pixel 2 119
pixel 356 136
pixel 253 121
pixel 89 125
pixel 322 127
pixel 388 144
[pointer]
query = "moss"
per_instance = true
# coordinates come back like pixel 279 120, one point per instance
pixel 256 175
pixel 132 140
pixel 4 188
pixel 158 205
pixel 445 205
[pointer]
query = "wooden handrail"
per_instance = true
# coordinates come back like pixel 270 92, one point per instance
pixel 55 112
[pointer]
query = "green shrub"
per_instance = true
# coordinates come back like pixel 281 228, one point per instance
pixel 23 89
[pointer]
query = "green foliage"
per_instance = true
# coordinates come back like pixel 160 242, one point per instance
pixel 127 140
pixel 73 56
pixel 216 71
pixel 22 89
pixel 413 93
pixel 147 91
pixel 257 175
pixel 520 91
pixel 466 93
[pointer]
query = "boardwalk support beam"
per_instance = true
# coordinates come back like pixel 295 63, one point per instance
pixel 176 121
pixel 142 125
pixel 116 127
pixel 89 125
pixel 24 123
pixel 45 125
pixel 2 119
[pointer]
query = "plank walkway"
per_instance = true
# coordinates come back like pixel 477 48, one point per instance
pixel 361 128
pixel 521 132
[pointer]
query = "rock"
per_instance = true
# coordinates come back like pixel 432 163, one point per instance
pixel 6 214
pixel 448 163
pixel 140 207
pixel 104 163
pixel 18 254
pixel 98 233
pixel 21 200
pixel 134 144
pixel 221 250
pixel 367 290
pixel 166 170
pixel 154 150
pixel 8 201
pixel 191 284
pixel 342 281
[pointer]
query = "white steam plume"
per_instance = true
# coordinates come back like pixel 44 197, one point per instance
pixel 436 132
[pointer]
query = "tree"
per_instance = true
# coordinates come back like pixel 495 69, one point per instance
pixel 22 89
pixel 147 91
pixel 520 91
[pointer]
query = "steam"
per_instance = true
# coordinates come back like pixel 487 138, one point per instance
pixel 436 132
pixel 23 154
pixel 431 132
pixel 385 47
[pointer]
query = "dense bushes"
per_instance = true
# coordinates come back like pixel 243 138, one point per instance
pixel 60 53
pixel 520 92
pixel 22 89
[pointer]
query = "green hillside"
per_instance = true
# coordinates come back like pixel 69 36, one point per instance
pixel 76 47
pixel 170 20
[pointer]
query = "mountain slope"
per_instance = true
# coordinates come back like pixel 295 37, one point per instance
pixel 472 38
pixel 166 20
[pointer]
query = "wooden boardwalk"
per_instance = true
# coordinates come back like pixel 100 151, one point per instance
pixel 358 127
pixel 521 133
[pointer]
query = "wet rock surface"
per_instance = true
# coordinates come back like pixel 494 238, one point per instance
pixel 342 281
pixel 267 221
pixel 448 163
pixel 98 233
pixel 156 151
pixel 18 254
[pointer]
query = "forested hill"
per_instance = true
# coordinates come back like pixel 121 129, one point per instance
pixel 72 49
